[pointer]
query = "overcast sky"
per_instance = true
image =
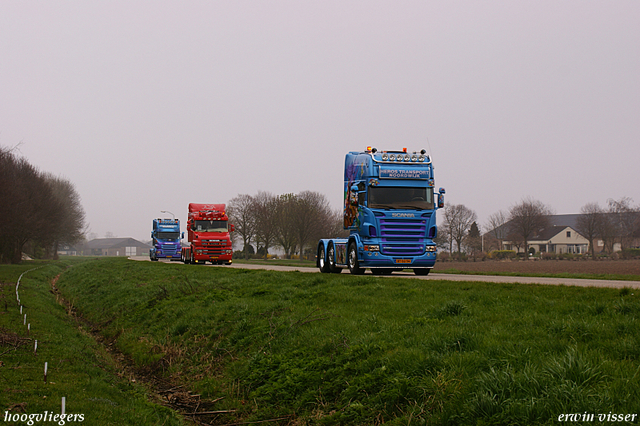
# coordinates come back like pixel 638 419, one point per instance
pixel 150 105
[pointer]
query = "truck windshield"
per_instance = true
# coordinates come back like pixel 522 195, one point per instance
pixel 210 226
pixel 170 236
pixel 387 197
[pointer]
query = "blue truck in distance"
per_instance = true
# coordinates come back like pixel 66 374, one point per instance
pixel 165 238
pixel 390 210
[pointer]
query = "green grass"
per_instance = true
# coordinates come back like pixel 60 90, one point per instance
pixel 591 276
pixel 617 277
pixel 78 368
pixel 280 262
pixel 326 349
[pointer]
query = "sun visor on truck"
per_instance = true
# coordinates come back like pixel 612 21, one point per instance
pixel 398 172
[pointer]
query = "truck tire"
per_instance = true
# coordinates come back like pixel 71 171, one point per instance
pixel 421 271
pixel 352 259
pixel 322 260
pixel 332 260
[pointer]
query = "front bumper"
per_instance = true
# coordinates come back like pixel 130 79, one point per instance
pixel 379 260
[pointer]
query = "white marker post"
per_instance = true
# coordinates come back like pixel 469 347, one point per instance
pixel 64 402
pixel 45 372
pixel 35 348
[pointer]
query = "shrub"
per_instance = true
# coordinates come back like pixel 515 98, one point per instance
pixel 460 257
pixel 444 256
pixel 502 254
pixel 630 253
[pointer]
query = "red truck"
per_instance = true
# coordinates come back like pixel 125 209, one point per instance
pixel 208 233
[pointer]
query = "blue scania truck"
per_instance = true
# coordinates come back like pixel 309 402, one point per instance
pixel 165 238
pixel 390 210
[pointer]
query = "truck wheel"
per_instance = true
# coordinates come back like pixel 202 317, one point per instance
pixel 354 265
pixel 322 260
pixel 332 260
pixel 421 271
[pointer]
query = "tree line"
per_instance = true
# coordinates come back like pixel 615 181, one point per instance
pixel 618 223
pixel 38 210
pixel 292 222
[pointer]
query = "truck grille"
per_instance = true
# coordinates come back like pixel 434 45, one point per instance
pixel 169 250
pixel 212 251
pixel 402 237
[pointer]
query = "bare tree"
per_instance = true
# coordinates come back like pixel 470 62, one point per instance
pixel 312 213
pixel 35 208
pixel 457 220
pixel 240 211
pixel 444 239
pixel 68 214
pixel 497 225
pixel 474 240
pixel 285 218
pixel 626 219
pixel 589 223
pixel 527 219
pixel 264 210
pixel 607 232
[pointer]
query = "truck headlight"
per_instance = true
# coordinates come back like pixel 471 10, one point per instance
pixel 372 247
pixel 430 249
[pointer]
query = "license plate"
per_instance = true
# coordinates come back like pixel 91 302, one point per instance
pixel 403 260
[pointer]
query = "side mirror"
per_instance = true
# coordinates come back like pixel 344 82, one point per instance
pixel 441 198
pixel 231 228
pixel 182 236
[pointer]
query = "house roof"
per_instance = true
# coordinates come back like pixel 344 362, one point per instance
pixel 564 220
pixel 107 243
pixel 557 222
pixel 550 232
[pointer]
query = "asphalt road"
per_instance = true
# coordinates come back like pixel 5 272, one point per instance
pixel 445 277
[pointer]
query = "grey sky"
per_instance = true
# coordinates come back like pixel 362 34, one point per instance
pixel 149 105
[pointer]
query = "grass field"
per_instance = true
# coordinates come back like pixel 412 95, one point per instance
pixel 78 369
pixel 324 349
pixel 626 270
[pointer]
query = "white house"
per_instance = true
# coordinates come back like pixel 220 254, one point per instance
pixel 554 239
